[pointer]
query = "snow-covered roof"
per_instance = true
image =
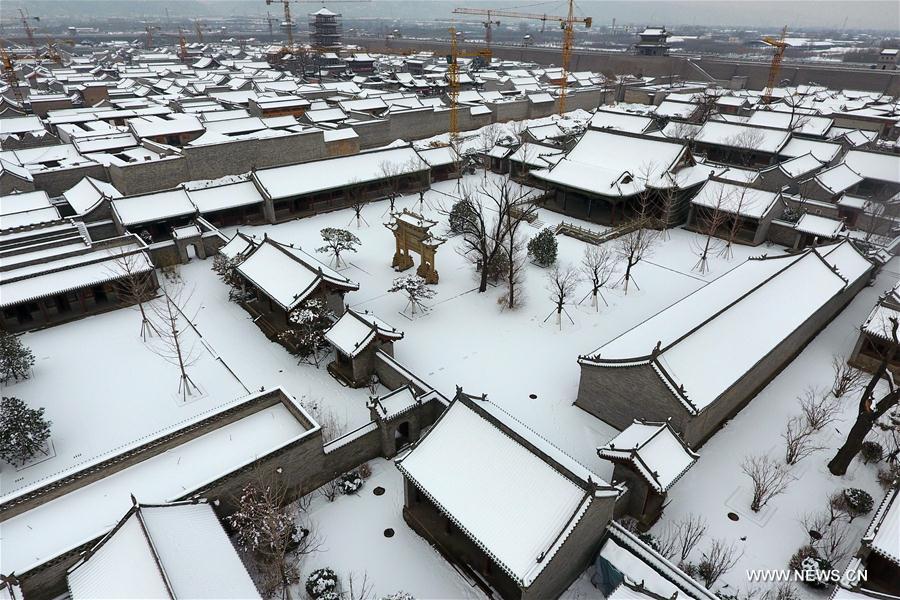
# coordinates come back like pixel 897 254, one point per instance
pixel 222 197
pixel 801 165
pixel 620 121
pixel 153 126
pixel 878 322
pixel 613 165
pixel 875 165
pixel 823 151
pixel 396 403
pixel 51 277
pixel 353 332
pixel 819 226
pixel 335 173
pixel 158 551
pixel 438 157
pixel 838 178
pixel 537 155
pixel 85 195
pixel 22 202
pixel 690 344
pixel 512 502
pixel 641 564
pixel 882 534
pixel 157 206
pixel 654 450
pixel 798 123
pixel 735 199
pixel 677 110
pixel 733 135
pixel 288 275
pixel 238 244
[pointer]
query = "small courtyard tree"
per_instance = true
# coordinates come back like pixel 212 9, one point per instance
pixel 543 247
pixel 597 265
pixel 171 343
pixel 515 267
pixel 632 248
pixel 337 241
pixel 16 359
pixel 226 268
pixel 709 221
pixel 134 285
pixel 768 477
pixel 561 283
pixel 460 215
pixel 23 431
pixel 306 336
pixel 870 410
pixel 416 291
pixel 356 197
pixel 269 531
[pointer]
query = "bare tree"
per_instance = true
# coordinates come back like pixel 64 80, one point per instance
pixel 516 257
pixel 847 379
pixel 359 590
pixel 681 537
pixel 727 251
pixel 799 441
pixel 638 243
pixel 561 283
pixel 134 284
pixel 170 323
pixel 834 546
pixel 768 476
pixel 870 410
pixel 718 560
pixel 745 144
pixel 276 537
pixel 597 266
pixel 818 409
pixel 357 200
pixel 497 209
pixel 782 591
pixel 709 222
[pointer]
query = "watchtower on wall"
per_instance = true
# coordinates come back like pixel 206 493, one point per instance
pixel 325 31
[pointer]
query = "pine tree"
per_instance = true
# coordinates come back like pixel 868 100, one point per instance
pixel 416 290
pixel 16 359
pixel 226 269
pixel 542 247
pixel 307 335
pixel 23 430
pixel 461 215
pixel 338 241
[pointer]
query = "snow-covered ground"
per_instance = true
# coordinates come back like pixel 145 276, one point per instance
pixel 352 530
pixel 769 538
pixel 465 339
pixel 104 389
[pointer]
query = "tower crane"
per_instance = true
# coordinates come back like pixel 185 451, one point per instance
pixel 453 79
pixel 567 24
pixel 780 46
pixel 182 45
pixel 9 74
pixel 198 27
pixel 29 30
pixel 150 29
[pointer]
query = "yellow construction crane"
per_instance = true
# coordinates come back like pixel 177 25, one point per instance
pixel 567 24
pixel 198 27
pixel 9 75
pixel 53 49
pixel 780 46
pixel 453 79
pixel 182 45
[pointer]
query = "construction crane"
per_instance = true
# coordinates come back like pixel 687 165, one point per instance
pixel 453 79
pixel 269 20
pixel 567 24
pixel 29 30
pixel 53 49
pixel 9 75
pixel 198 27
pixel 780 46
pixel 150 29
pixel 287 24
pixel 182 45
